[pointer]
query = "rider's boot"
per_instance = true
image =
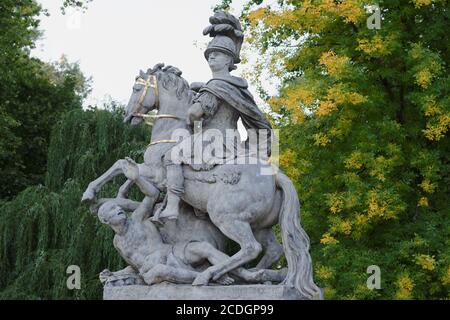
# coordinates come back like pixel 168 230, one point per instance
pixel 175 189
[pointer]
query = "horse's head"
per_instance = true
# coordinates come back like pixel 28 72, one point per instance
pixel 153 88
pixel 144 98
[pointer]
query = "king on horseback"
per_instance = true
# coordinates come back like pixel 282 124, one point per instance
pixel 219 104
pixel 239 200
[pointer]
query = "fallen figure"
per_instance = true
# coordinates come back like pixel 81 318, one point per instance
pixel 152 261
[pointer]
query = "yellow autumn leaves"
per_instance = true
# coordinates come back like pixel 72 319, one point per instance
pixel 337 66
pixel 315 15
pixel 428 187
pixel 427 68
pixel 377 46
pixel 287 161
pixel 405 284
pixel 426 262
pixel 366 102
pixel 306 96
pixel 427 65
pixel 405 287
pixel 377 205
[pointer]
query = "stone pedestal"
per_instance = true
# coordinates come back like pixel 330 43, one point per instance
pixel 169 291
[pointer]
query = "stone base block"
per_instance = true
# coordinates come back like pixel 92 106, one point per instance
pixel 169 291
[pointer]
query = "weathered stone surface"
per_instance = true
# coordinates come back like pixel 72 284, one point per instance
pixel 169 291
pixel 227 194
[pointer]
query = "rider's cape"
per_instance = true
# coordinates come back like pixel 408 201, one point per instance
pixel 234 91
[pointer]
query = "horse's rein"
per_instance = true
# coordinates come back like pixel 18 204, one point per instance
pixel 152 82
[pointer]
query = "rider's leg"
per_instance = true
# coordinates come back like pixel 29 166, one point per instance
pixel 175 186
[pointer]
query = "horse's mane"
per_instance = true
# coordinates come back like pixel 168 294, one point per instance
pixel 170 76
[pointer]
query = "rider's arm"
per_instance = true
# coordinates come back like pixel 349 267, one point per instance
pixel 195 113
pixel 196 86
pixel 204 105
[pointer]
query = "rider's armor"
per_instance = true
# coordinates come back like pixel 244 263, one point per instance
pixel 223 100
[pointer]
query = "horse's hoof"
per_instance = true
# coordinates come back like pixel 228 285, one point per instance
pixel 202 279
pixel 88 196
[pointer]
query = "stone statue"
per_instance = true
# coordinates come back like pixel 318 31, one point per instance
pixel 141 244
pixel 216 188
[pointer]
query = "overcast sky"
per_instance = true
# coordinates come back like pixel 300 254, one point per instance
pixel 113 40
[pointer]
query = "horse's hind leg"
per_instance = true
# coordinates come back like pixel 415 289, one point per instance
pixel 240 232
pixel 97 184
pixel 272 248
pixel 197 251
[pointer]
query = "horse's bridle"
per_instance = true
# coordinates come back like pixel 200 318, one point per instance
pixel 152 82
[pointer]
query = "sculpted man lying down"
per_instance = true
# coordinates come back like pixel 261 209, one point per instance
pixel 140 243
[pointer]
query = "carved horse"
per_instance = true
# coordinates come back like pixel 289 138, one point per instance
pixel 244 212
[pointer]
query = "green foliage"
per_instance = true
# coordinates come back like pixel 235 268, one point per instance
pixel 45 229
pixel 364 125
pixel 33 95
pixel 80 4
pixel 224 5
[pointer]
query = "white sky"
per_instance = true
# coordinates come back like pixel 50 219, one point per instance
pixel 113 40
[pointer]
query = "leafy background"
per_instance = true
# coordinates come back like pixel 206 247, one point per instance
pixel 363 116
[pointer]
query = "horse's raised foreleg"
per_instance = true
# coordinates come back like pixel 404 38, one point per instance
pixel 240 232
pixel 97 184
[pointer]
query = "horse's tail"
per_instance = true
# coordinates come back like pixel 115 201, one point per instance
pixel 295 242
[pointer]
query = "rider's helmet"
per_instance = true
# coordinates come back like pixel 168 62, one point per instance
pixel 226 31
pixel 223 44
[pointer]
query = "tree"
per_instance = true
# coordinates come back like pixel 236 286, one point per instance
pixel 364 117
pixel 33 95
pixel 81 4
pixel 45 228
